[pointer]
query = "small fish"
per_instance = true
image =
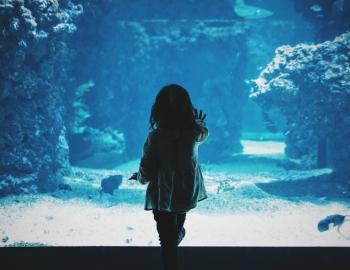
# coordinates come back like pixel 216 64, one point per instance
pixel 335 220
pixel 111 183
pixel 250 12
pixel 316 8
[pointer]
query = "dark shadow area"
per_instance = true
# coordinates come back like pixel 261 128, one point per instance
pixel 318 186
pixel 190 258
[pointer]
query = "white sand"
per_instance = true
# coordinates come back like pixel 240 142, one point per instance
pixel 243 216
pixel 72 223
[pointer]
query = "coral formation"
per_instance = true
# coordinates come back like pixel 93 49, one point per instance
pixel 310 85
pixel 34 59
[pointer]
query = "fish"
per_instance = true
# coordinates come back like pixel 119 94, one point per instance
pixel 111 183
pixel 250 12
pixel 336 220
pixel 316 8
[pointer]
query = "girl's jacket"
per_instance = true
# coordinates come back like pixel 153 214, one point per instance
pixel 169 165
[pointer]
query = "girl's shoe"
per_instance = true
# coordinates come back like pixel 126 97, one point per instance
pixel 181 236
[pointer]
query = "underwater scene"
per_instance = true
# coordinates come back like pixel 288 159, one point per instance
pixel 78 79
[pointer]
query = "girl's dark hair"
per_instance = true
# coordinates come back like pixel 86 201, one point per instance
pixel 172 109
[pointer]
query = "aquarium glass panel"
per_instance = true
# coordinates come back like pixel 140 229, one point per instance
pixel 78 82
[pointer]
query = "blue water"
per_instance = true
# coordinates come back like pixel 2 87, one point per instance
pixel 117 58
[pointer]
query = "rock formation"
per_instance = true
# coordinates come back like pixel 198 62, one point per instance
pixel 310 85
pixel 34 59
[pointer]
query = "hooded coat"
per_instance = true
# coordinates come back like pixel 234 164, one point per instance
pixel 170 166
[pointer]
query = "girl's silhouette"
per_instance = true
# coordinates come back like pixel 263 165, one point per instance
pixel 170 166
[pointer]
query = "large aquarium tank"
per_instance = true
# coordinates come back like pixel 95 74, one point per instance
pixel 77 82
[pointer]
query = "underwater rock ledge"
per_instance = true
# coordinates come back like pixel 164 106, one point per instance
pixel 34 67
pixel 310 85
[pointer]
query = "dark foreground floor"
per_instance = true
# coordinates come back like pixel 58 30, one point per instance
pixel 193 258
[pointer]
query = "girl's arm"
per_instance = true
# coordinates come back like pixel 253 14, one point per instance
pixel 147 169
pixel 203 131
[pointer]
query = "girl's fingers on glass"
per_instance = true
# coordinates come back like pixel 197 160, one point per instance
pixel 133 176
pixel 200 114
pixel 204 116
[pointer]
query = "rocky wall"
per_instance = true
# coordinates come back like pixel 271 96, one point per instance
pixel 34 59
pixel 310 85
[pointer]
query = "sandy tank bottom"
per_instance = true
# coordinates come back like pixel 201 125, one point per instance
pixel 236 213
pixel 53 222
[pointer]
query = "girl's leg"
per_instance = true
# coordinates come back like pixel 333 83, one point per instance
pixel 180 220
pixel 167 230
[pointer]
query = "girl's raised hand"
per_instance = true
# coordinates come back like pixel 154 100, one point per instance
pixel 201 116
pixel 133 177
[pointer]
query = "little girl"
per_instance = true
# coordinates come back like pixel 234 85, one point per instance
pixel 170 166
